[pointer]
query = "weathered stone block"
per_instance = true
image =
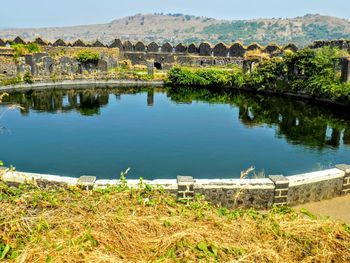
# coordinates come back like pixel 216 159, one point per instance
pixel 205 49
pixel 167 48
pixel 140 47
pixel 237 50
pixel 192 49
pixel 345 69
pixel 180 48
pixel 220 50
pixel 128 46
pixel 153 47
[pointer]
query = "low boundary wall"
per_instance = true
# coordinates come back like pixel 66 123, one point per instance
pixel 232 193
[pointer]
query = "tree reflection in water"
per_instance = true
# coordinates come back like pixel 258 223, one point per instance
pixel 300 122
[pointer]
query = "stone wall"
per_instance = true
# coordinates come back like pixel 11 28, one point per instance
pixel 315 186
pixel 232 193
pixel 168 60
pixel 56 61
pixel 202 49
pixel 341 44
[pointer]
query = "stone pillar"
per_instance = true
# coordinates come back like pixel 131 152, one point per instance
pixel 30 62
pixel 281 189
pixel 86 182
pixel 150 68
pixel 185 188
pixel 345 69
pixel 346 180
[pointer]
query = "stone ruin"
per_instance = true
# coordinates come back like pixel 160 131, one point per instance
pixel 117 43
pixel 140 47
pixel 167 48
pixel 19 40
pixel 97 44
pixel 237 50
pixel 205 49
pixel 291 47
pixel 253 46
pixel 220 50
pixel 79 43
pixel 40 42
pixel 153 47
pixel 180 48
pixel 59 43
pixel 272 49
pixel 164 56
pixel 192 49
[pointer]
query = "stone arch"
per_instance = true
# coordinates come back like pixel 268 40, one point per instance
pixel 128 46
pixel 153 47
pixel 79 43
pixel 291 47
pixel 140 47
pixel 117 43
pixel 59 43
pixel 237 50
pixel 167 48
pixel 180 48
pixel 205 49
pixel 192 49
pixel 220 50
pixel 19 40
pixel 40 42
pixel 2 43
pixel 253 46
pixel 158 65
pixel 97 43
pixel 271 48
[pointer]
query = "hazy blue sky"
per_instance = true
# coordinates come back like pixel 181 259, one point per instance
pixel 41 13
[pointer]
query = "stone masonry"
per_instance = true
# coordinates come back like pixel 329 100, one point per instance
pixel 185 186
pixel 346 181
pixel 281 189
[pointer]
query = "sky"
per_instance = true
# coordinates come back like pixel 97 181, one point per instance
pixel 48 13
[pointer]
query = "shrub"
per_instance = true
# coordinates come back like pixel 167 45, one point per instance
pixel 187 77
pixel 21 50
pixel 88 56
pixel 28 78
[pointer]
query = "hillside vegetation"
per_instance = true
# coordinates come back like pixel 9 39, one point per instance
pixel 147 225
pixel 177 28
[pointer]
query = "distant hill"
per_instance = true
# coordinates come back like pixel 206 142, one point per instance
pixel 176 28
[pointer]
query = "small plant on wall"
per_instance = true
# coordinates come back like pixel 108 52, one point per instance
pixel 88 56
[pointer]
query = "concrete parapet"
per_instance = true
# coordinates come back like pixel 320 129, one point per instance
pixel 231 193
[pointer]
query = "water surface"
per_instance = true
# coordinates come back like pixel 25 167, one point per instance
pixel 162 134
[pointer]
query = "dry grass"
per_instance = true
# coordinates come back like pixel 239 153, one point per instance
pixel 145 225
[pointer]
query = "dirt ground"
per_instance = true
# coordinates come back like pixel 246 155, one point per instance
pixel 336 208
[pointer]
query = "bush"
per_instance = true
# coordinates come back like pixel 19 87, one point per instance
pixel 187 77
pixel 28 78
pixel 88 56
pixel 21 50
pixel 310 71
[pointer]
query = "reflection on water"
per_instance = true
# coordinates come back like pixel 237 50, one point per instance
pixel 188 137
pixel 300 122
